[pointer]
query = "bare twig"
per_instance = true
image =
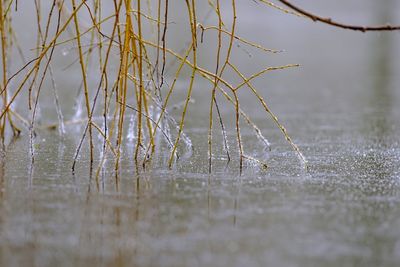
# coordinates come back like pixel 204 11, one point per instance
pixel 331 22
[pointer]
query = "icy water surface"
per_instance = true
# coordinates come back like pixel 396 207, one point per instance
pixel 341 107
pixel 344 212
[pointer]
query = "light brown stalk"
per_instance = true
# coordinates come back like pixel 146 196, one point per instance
pixel 123 78
pixel 4 66
pixel 35 66
pixel 213 100
pixel 192 18
pixel 166 101
pixel 273 116
pixel 84 77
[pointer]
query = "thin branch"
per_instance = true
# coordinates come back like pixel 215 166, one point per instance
pixel 331 22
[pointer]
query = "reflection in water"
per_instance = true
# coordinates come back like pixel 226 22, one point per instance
pixel 2 189
pixel 377 120
pixel 375 165
pixel 2 178
pixel 381 71
pixel 171 219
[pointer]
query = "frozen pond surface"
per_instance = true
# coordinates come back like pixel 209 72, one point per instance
pixel 341 107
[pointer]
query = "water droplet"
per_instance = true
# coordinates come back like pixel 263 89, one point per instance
pixel 65 52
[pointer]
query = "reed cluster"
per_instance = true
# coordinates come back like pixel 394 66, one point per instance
pixel 113 38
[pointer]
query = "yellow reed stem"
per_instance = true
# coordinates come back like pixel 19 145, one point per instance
pixel 193 24
pixel 85 85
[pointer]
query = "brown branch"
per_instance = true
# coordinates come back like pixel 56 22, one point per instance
pixel 331 22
